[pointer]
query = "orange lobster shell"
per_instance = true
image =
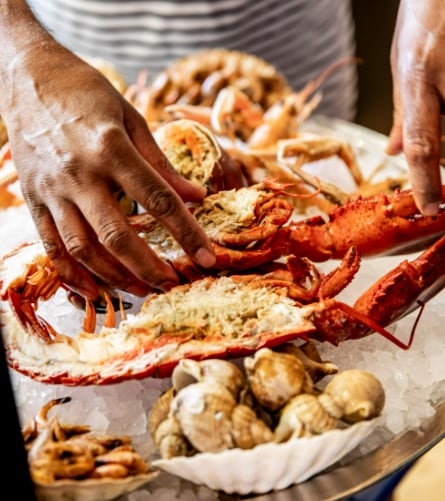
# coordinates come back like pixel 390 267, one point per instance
pixel 171 326
pixel 263 234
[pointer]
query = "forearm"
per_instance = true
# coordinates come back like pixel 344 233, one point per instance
pixel 19 31
pixel 22 38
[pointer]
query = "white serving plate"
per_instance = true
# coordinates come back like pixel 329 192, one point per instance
pixel 368 145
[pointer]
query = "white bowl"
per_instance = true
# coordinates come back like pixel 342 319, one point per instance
pixel 268 466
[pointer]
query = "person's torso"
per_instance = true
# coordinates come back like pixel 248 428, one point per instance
pixel 299 37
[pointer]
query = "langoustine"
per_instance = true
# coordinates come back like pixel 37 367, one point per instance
pixel 72 461
pixel 197 79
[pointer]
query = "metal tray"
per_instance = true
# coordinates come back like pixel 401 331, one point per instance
pixel 374 475
pixel 358 476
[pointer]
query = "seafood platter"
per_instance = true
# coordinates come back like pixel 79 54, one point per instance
pixel 306 362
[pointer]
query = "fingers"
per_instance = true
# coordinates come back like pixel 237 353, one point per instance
pixel 81 260
pixel 152 188
pixel 144 142
pixel 421 144
pixel 419 91
pixel 69 270
pixel 160 201
pixel 395 142
pixel 121 258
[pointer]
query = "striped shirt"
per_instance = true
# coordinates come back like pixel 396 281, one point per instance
pixel 299 37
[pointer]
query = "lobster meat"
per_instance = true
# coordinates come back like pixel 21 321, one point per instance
pixel 226 316
pixel 249 227
pixel 253 225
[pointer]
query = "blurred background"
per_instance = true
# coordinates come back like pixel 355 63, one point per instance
pixel 375 23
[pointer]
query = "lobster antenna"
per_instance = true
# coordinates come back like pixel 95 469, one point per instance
pixel 381 330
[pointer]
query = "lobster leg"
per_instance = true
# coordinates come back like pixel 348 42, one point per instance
pixel 26 314
pixel 304 282
pixel 409 284
pixel 394 295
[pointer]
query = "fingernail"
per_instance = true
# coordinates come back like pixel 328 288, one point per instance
pixel 202 191
pixel 392 150
pixel 205 258
pixel 431 209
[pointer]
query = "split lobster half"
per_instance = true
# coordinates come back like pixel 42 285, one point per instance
pixel 226 315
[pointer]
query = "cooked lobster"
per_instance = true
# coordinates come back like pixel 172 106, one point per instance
pixel 250 227
pixel 227 316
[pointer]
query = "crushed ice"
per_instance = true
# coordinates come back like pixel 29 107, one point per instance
pixel 411 378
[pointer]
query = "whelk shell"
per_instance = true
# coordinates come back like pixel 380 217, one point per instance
pixel 309 355
pixel 248 430
pixel 203 411
pixel 274 378
pixel 190 371
pixel 160 410
pixel 358 392
pixel 303 415
pixel 169 439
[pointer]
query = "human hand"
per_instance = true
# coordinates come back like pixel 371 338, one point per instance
pixel 75 142
pixel 418 69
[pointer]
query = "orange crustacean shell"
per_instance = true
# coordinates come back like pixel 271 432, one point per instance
pixel 196 79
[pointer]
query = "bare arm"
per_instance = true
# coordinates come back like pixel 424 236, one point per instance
pixel 418 67
pixel 75 141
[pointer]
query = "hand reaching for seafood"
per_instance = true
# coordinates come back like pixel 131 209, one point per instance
pixel 419 93
pixel 76 142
